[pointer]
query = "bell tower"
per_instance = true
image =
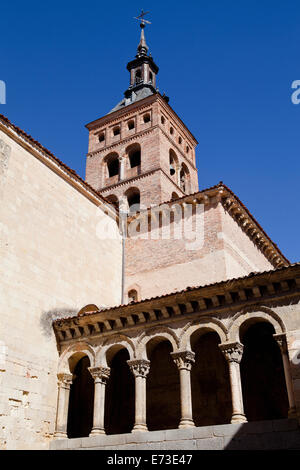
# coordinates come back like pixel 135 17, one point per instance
pixel 141 153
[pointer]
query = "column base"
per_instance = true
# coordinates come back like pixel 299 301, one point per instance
pixel 60 435
pixel 96 432
pixel 238 418
pixel 186 423
pixel 139 428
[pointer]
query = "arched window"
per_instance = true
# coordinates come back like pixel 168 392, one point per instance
pixel 134 154
pixel 101 137
pixel 184 178
pixel 174 196
pixel 150 77
pixel 171 130
pixel 131 125
pixel 132 295
pixel 133 198
pixel 162 119
pixel 173 160
pixel 146 118
pixel 112 164
pixel 116 130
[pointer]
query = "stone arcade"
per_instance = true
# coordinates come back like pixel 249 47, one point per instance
pixel 123 334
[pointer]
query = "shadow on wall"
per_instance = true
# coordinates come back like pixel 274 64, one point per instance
pixel 48 317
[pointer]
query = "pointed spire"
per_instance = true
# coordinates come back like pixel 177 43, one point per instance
pixel 142 47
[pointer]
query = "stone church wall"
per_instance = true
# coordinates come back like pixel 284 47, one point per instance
pixel 52 264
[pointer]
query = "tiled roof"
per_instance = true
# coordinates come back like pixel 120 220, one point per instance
pixel 220 284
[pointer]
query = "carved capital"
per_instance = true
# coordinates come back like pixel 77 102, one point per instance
pixel 183 359
pixel 281 341
pixel 64 380
pixel 233 352
pixel 100 374
pixel 139 367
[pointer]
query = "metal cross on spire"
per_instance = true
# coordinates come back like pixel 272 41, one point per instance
pixel 141 17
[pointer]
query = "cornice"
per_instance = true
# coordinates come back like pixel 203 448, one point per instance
pixel 138 177
pixel 192 303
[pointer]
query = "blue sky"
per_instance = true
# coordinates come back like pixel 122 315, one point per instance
pixel 227 67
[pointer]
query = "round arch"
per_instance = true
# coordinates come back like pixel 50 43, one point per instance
pixel 73 354
pixel 161 334
pixel 112 346
pixel 263 314
pixel 205 325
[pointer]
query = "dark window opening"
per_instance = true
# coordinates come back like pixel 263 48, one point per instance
pixel 80 414
pixel 162 120
pixel 133 199
pixel 135 158
pixel 101 137
pixel 138 76
pixel 130 125
pixel 147 118
pixel 116 131
pixel 113 167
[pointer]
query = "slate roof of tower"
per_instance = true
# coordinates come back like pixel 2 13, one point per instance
pixel 135 96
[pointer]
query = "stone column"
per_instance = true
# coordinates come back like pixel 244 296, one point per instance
pixel 233 353
pixel 64 383
pixel 281 341
pixel 100 376
pixel 184 361
pixel 122 167
pixel 140 369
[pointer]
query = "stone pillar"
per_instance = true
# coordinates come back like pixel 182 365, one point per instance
pixel 281 341
pixel 140 369
pixel 100 376
pixel 233 353
pixel 184 361
pixel 64 383
pixel 122 167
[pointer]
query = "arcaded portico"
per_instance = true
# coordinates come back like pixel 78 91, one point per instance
pixel 174 365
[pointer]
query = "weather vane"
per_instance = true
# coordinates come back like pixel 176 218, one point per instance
pixel 141 17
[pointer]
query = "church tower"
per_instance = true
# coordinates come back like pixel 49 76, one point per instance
pixel 141 152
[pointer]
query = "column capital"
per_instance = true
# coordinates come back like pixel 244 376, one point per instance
pixel 100 373
pixel 183 359
pixel 64 379
pixel 139 367
pixel 233 352
pixel 281 341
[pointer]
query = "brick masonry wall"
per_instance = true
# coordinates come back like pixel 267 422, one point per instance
pixel 161 266
pixel 52 264
pixel 155 140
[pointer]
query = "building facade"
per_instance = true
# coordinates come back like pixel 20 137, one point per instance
pixel 137 311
